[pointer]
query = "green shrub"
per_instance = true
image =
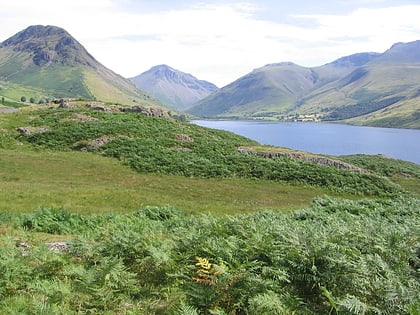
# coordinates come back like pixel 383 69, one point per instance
pixel 335 257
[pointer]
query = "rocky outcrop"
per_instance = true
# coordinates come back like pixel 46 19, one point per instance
pixel 67 103
pixel 93 144
pixel 31 130
pixel 184 138
pixel 99 106
pixel 147 111
pixel 56 247
pixel 304 157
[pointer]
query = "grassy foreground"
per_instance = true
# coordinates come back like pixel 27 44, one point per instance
pixel 88 183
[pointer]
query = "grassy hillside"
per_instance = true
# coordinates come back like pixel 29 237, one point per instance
pixel 273 88
pixel 89 160
pixel 384 95
pixel 164 146
pixel 108 235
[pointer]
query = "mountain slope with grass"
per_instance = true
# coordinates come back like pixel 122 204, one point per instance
pixel 172 87
pixel 46 62
pixel 365 89
pixel 274 87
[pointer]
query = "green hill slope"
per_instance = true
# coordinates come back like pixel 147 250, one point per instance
pixel 165 146
pixel 275 87
pixel 52 64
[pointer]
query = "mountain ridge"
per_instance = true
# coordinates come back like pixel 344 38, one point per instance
pixel 364 88
pixel 172 87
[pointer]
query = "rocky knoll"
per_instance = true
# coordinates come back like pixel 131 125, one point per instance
pixel 100 106
pixel 305 157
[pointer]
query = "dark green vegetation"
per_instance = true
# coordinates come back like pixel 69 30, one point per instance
pixel 360 109
pixel 94 174
pixel 406 174
pixel 365 89
pixel 335 257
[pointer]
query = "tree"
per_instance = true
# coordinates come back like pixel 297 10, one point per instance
pixel 32 100
pixel 2 99
pixel 23 99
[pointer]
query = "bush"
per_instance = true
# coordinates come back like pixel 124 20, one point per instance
pixel 335 257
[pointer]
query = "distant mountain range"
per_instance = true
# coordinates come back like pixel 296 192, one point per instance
pixel 365 88
pixel 172 87
pixel 47 62
pixel 378 89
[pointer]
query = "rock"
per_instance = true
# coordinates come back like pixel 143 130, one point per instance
pixel 147 111
pixel 184 138
pixel 97 143
pixel 65 103
pixel 31 130
pixel 58 247
pixel 305 157
pixel 24 130
pixel 25 248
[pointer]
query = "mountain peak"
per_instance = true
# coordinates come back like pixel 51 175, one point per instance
pixel 50 60
pixel 173 87
pixel 49 45
pixel 34 32
pixel 403 53
pixel 162 67
pixel 281 64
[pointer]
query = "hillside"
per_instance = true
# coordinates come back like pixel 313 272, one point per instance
pixel 46 62
pixel 365 88
pixel 107 210
pixel 162 145
pixel 173 88
pixel 273 87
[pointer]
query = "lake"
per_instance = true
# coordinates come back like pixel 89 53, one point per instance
pixel 327 138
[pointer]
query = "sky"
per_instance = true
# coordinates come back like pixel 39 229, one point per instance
pixel 219 40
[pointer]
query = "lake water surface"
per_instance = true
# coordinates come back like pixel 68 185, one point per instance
pixel 325 138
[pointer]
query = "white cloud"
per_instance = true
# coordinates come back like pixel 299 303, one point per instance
pixel 215 42
pixel 366 29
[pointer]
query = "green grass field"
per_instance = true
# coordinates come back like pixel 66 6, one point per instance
pixel 88 183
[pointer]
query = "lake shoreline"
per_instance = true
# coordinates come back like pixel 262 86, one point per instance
pixel 329 138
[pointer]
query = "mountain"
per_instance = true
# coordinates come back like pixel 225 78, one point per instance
pixel 47 62
pixel 379 89
pixel 172 87
pixel 270 88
